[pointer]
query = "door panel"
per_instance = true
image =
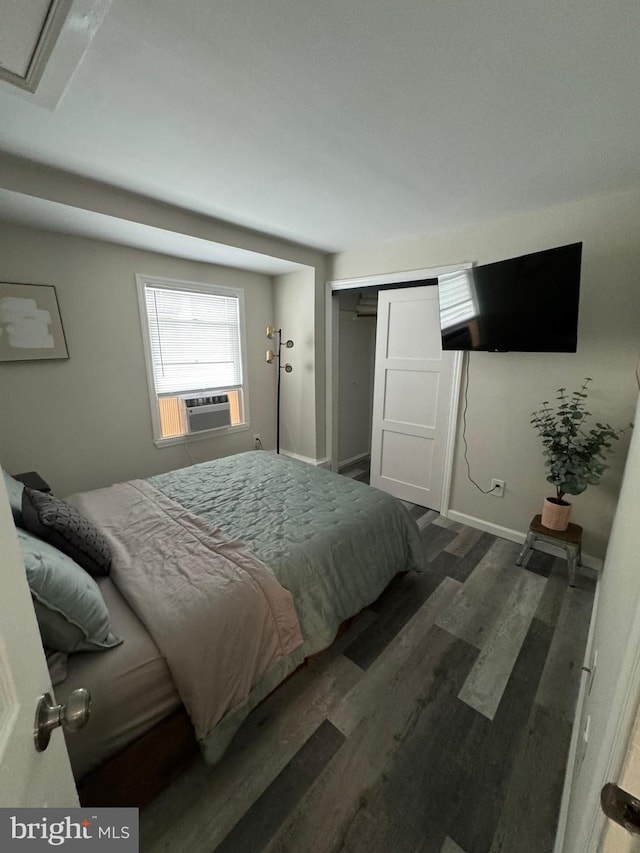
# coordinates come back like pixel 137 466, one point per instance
pixel 27 777
pixel 413 329
pixel 411 398
pixel 407 459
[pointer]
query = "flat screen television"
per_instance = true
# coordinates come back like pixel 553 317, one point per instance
pixel 525 304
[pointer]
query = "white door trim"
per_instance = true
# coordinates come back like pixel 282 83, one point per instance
pixel 578 727
pixel 451 432
pixel 332 355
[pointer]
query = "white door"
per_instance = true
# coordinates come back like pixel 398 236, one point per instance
pixel 616 839
pixel 613 686
pixel 27 778
pixel 411 397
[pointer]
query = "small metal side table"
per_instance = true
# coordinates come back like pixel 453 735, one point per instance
pixel 569 539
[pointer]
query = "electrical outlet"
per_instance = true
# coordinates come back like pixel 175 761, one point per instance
pixel 257 442
pixel 497 487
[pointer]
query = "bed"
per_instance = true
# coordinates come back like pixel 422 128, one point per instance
pixel 302 550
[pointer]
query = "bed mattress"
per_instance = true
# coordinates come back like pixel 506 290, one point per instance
pixel 332 542
pixel 130 685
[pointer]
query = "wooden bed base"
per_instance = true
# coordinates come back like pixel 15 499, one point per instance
pixel 143 769
pixel 150 764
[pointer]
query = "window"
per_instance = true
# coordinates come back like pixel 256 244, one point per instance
pixel 194 347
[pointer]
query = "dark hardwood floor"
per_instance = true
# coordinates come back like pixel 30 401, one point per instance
pixel 439 721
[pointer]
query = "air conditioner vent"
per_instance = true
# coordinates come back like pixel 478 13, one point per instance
pixel 209 412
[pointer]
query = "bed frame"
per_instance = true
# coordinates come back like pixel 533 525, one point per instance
pixel 143 769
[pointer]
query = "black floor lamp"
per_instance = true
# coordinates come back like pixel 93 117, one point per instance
pixel 276 356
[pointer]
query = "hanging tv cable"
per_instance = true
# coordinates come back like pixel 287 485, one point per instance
pixel 464 428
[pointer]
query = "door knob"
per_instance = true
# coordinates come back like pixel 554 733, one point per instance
pixel 72 716
pixel 621 807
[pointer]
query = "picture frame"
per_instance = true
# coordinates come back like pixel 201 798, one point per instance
pixel 30 323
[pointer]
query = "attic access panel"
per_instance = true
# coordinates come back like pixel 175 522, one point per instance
pixel 28 33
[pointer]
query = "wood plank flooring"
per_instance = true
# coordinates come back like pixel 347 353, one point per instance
pixel 438 722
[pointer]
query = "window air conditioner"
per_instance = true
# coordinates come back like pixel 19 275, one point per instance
pixel 207 413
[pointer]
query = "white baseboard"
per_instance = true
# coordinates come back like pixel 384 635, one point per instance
pixel 317 463
pixel 359 458
pixel 587 561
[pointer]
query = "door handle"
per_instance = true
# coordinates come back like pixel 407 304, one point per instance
pixel 72 716
pixel 621 807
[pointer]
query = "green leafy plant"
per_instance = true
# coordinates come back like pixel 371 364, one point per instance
pixel 575 455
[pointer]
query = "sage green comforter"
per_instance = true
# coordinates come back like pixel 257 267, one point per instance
pixel 333 542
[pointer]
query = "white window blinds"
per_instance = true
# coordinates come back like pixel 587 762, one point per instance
pixel 195 340
pixel 455 292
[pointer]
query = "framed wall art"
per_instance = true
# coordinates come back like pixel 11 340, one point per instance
pixel 30 323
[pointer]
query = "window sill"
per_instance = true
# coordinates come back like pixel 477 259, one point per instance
pixel 207 433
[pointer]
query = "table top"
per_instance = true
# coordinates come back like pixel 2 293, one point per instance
pixel 572 534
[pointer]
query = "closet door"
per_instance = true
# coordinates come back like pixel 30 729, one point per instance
pixel 411 398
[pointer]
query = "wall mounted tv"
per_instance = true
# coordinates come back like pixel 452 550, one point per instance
pixel 525 304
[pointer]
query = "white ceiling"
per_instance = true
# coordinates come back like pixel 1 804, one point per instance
pixel 338 124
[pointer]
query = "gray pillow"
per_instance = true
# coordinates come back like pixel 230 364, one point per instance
pixel 14 490
pixel 71 612
pixel 64 527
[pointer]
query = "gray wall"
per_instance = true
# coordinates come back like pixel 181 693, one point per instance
pixel 59 417
pixel 82 196
pixel 506 387
pixel 85 422
pixel 294 296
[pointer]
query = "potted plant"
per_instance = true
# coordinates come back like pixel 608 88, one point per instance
pixel 575 455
